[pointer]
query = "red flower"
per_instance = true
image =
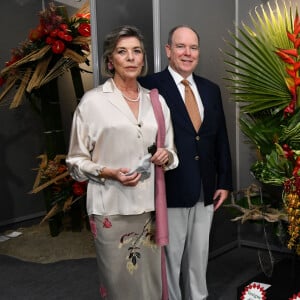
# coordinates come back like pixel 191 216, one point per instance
pixel 290 109
pixel 64 27
pixel 53 33
pixel 291 72
pixel 49 40
pixel 297 24
pixel 67 37
pixel 296 66
pixel 285 56
pixel 79 188
pixel 58 47
pixel 61 34
pixel 292 37
pixel 84 29
pixel 106 223
pixel 297 43
pixel 296 171
pixel 288 152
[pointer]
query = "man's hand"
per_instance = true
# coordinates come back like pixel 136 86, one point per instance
pixel 219 197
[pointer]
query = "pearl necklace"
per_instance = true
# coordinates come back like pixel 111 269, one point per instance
pixel 137 99
pixel 131 100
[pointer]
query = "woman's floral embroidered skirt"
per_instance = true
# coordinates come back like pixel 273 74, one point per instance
pixel 129 261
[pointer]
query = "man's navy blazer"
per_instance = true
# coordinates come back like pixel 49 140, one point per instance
pixel 204 155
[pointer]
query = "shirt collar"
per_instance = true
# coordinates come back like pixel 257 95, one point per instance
pixel 178 78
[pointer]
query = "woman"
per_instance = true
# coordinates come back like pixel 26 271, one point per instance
pixel 113 127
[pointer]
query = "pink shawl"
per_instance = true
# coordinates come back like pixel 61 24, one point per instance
pixel 162 233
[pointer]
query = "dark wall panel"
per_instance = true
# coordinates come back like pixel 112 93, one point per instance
pixel 113 13
pixel 20 129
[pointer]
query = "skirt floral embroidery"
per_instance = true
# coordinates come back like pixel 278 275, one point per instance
pixel 137 242
pixel 127 256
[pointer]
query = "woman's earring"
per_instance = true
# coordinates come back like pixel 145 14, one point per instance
pixel 110 65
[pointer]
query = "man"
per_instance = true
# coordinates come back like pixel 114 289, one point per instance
pixel 203 178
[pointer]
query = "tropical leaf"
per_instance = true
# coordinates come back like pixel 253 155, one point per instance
pixel 262 132
pixel 257 77
pixel 274 169
pixel 291 132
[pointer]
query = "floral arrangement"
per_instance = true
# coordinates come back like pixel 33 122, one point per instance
pixel 56 45
pixel 264 79
pixel 65 190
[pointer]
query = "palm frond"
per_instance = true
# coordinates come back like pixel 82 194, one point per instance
pixel 257 77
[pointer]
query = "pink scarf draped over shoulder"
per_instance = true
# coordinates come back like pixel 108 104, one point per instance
pixel 162 232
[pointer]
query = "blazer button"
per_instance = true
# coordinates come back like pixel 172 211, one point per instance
pixel 197 138
pixel 197 157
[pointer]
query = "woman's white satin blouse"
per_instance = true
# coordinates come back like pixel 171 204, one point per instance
pixel 105 133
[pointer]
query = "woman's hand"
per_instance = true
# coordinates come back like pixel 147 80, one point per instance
pixel 120 175
pixel 127 180
pixel 161 157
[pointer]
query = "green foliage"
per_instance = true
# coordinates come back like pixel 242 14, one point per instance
pixel 290 133
pixel 274 169
pixel 258 81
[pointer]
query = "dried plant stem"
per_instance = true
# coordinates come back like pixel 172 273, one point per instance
pixel 48 183
pixel 19 94
pixel 52 212
pixel 9 85
pixel 35 55
pixel 63 65
pixel 75 56
pixel 38 74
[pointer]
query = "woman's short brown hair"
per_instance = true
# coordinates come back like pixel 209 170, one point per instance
pixel 110 43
